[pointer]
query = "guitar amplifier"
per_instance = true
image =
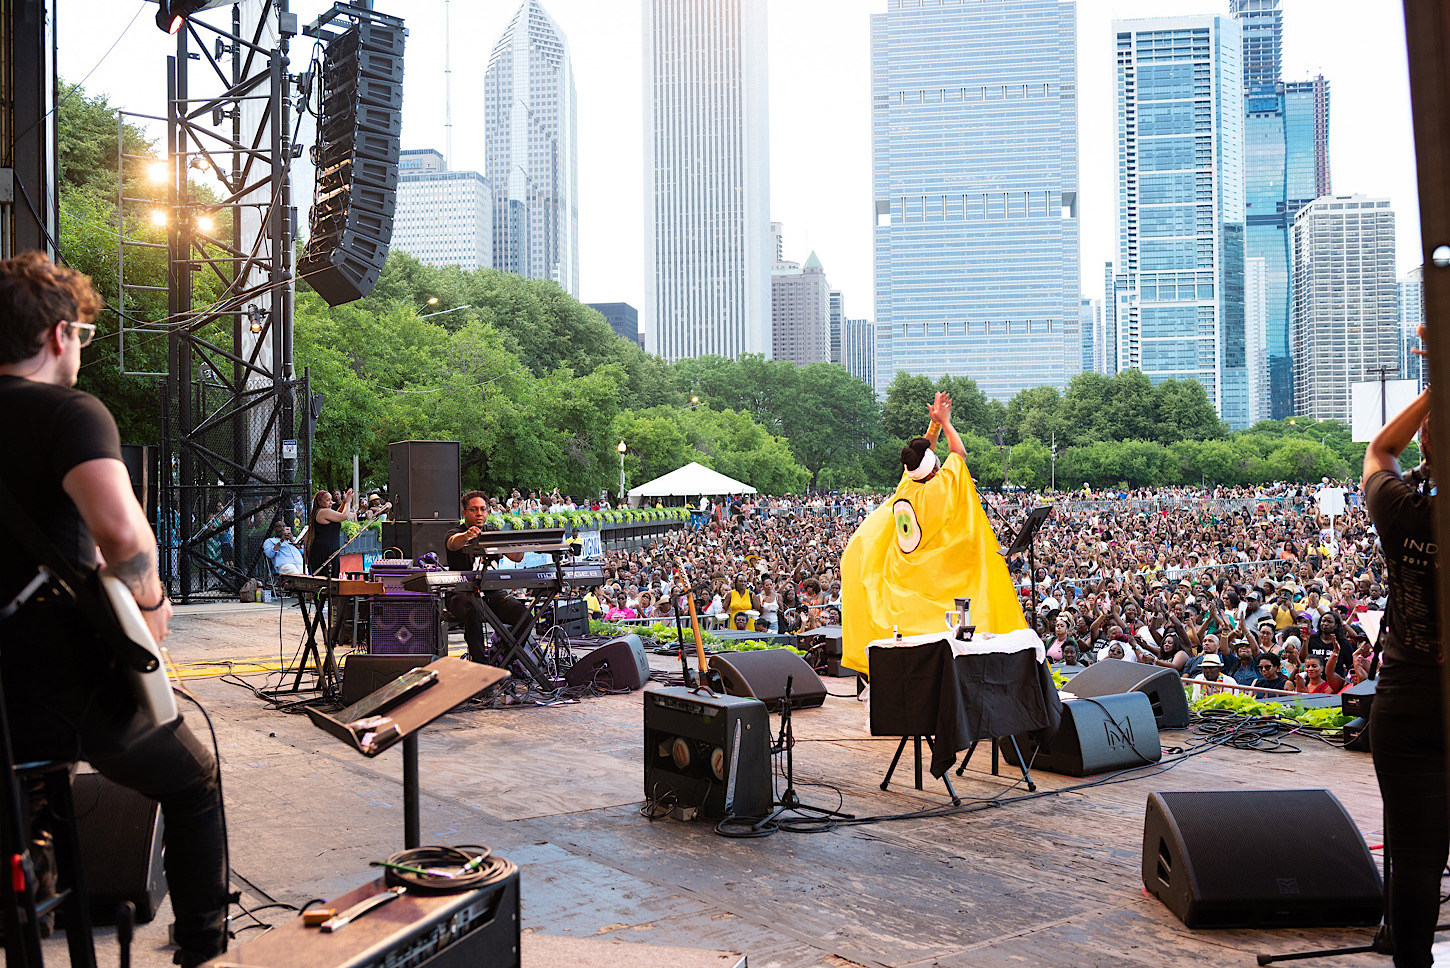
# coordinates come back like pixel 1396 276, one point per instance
pixel 466 929
pixel 711 753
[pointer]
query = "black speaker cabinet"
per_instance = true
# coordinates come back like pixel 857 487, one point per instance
pixel 120 832
pixel 1096 736
pixel 762 675
pixel 416 538
pixel 617 664
pixel 423 480
pixel 1296 860
pixel 363 675
pixel 1164 687
pixel 406 625
pixel 707 752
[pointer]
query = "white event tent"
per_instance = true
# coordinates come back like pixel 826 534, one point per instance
pixel 692 479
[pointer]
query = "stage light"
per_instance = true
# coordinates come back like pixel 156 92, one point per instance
pixel 158 216
pixel 171 14
pixel 158 171
pixel 206 223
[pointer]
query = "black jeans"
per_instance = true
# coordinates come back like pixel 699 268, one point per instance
pixel 1406 738
pixel 67 701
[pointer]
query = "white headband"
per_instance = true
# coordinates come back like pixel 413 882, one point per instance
pixel 925 468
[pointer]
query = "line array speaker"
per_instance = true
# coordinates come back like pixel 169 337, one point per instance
pixel 424 480
pixel 1163 687
pixel 1297 860
pixel 707 752
pixel 356 157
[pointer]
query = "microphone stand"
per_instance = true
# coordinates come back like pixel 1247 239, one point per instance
pixel 790 800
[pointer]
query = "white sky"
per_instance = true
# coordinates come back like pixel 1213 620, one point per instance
pixel 820 184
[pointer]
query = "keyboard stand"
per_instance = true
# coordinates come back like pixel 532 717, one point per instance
pixel 513 651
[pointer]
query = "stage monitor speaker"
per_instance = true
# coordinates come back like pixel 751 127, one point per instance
pixel 572 617
pixel 416 538
pixel 406 625
pixel 1296 860
pixel 1164 687
pixel 363 675
pixel 1096 736
pixel 120 832
pixel 424 481
pixel 762 675
pixel 711 753
pixel 618 664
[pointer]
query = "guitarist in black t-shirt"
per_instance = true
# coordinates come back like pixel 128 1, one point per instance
pixel 1406 729
pixel 68 697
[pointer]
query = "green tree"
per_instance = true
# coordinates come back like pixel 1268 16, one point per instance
pixel 833 419
pixel 1035 413
pixel 1029 464
pixel 1184 412
pixel 903 414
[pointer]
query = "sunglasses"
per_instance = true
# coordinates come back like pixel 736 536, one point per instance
pixel 86 334
pixel 1265 665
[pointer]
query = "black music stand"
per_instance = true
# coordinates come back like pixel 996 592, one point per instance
pixel 458 681
pixel 1026 539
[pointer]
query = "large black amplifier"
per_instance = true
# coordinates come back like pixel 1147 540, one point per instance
pixel 469 929
pixel 711 753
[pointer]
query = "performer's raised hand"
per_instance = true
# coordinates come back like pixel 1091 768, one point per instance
pixel 941 409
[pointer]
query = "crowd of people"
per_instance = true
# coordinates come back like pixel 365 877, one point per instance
pixel 1251 586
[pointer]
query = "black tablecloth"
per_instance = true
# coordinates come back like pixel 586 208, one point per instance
pixel 923 690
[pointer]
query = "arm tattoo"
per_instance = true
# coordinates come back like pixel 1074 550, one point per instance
pixel 134 570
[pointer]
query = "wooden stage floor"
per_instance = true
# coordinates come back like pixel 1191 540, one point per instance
pixel 1051 881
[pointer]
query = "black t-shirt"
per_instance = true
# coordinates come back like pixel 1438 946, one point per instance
pixel 1410 635
pixel 461 560
pixel 47 430
pixel 1322 648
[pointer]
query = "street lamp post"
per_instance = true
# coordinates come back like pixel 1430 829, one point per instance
pixel 622 451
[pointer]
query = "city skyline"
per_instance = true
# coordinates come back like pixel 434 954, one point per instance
pixel 817 48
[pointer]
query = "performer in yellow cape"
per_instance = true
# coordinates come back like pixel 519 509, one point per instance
pixel 929 544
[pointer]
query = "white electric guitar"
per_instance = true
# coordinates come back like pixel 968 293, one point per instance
pixel 152 689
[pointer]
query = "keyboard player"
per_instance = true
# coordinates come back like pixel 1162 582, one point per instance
pixel 464 606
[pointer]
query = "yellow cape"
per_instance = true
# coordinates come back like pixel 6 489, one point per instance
pixel 929 544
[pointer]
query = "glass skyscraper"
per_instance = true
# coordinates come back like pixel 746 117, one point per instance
pixel 1286 166
pixel 974 176
pixel 707 256
pixel 1180 158
pixel 532 159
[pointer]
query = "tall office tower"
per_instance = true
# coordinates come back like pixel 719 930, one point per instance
pixel 1346 306
pixel 1181 204
pixel 528 119
pixel 974 176
pixel 1263 39
pixel 1411 302
pixel 858 349
pixel 1286 166
pixel 442 218
pixel 800 312
pixel 707 257
pixel 1256 352
pixel 838 321
pixel 1088 310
